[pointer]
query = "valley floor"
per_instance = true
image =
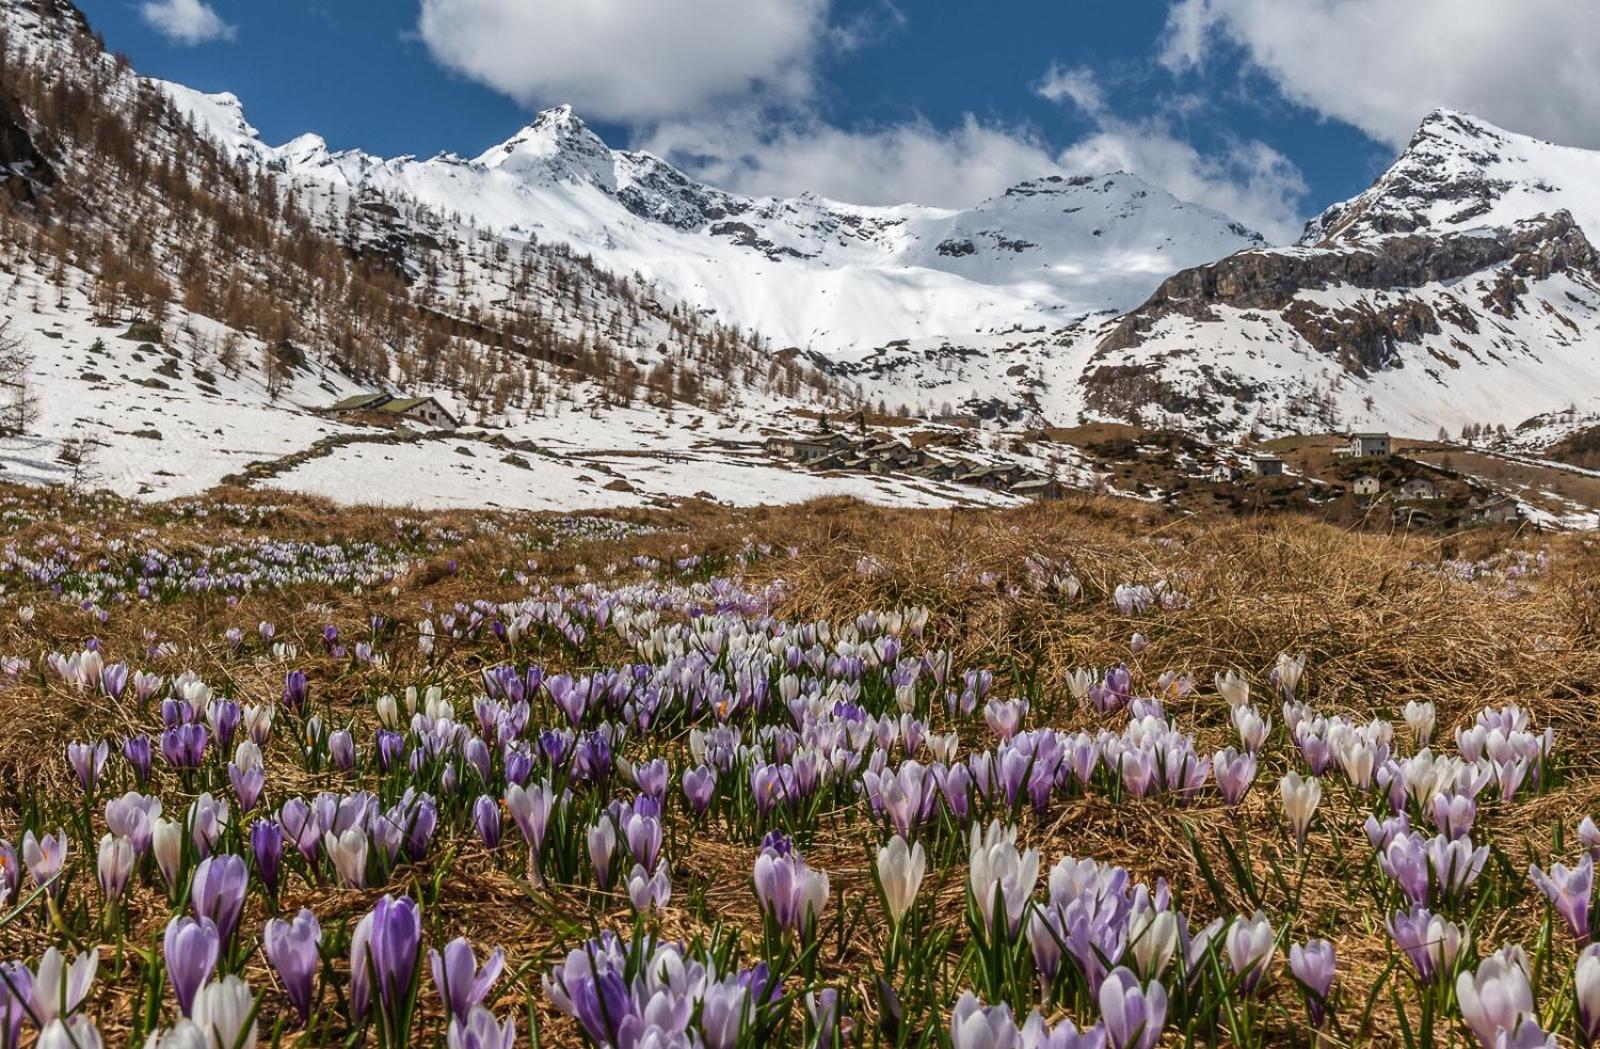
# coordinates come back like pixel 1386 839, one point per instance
pixel 730 689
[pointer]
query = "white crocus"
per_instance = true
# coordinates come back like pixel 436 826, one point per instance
pixel 900 871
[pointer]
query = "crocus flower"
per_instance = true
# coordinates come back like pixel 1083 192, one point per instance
pixel 295 691
pixel 1234 688
pixel 699 784
pixel 1153 940
pixel 225 1013
pixel 137 752
pixel 390 946
pixel 342 749
pixel 998 868
pixel 1313 964
pixel 1134 1016
pixel 166 841
pixel 1431 942
pixel 1235 772
pixel 190 948
pixel 348 853
pixel 207 819
pixel 247 784
pixel 16 987
pixel 133 816
pixel 531 809
pixel 1420 718
pixel 88 762
pixel 900 872
pixel 77 1033
pixel 1586 984
pixel 486 817
pixel 1569 890
pixel 266 846
pixel 1301 795
pixel 217 891
pixel 602 841
pixel 790 893
pixel 1252 727
pixel 1496 999
pixel 647 891
pixel 481 1031
pixel 58 989
pixel 291 947
pixel 1250 945
pixel 974 1025
pixel 460 983
pixel 44 858
pixel 115 865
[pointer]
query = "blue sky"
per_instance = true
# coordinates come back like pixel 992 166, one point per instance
pixel 1265 109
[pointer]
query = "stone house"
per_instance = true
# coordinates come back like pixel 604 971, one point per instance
pixel 1369 445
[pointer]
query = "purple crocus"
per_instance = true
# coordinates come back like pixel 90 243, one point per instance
pixel 482 1031
pixel 136 751
pixel 190 948
pixel 391 745
pixel 461 984
pixel 1234 772
pixel 1569 890
pixel 342 749
pixel 16 987
pixel 651 778
pixel 1133 1015
pixel 224 716
pixel 114 679
pixel 291 947
pixel 184 747
pixel 88 762
pixel 699 784
pixel 266 844
pixel 1313 964
pixel 248 783
pixel 217 892
pixel 385 946
pixel 295 691
pixel 486 817
pixel 643 834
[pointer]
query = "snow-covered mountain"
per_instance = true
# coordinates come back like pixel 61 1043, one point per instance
pixel 810 273
pixel 1462 287
pixel 553 277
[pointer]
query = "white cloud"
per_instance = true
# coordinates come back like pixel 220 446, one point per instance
pixel 1381 65
pixel 631 60
pixel 1246 180
pixel 911 162
pixel 1079 86
pixel 186 22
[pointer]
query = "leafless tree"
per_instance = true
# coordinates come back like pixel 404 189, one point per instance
pixel 19 407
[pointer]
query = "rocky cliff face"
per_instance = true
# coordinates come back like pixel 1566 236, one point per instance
pixel 1465 276
pixel 1276 280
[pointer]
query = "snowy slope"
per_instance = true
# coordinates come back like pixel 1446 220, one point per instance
pixel 1462 287
pixel 1459 172
pixel 809 272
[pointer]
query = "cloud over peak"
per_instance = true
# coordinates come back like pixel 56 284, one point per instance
pixel 626 61
pixel 186 22
pixel 1531 65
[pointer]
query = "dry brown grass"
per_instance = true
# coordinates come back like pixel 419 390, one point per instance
pixel 1380 620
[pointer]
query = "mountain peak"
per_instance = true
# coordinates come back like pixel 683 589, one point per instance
pixel 557 146
pixel 1459 172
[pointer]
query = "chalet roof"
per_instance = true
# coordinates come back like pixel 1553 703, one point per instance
pixel 359 401
pixel 1034 482
pixel 401 405
pixel 1372 435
